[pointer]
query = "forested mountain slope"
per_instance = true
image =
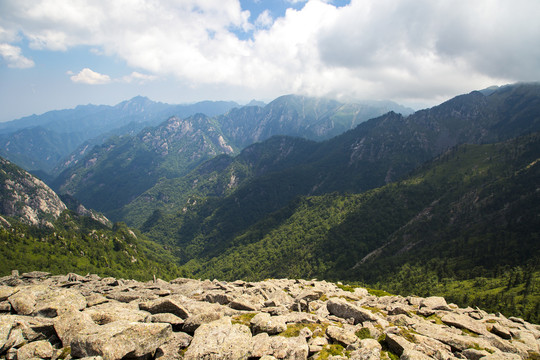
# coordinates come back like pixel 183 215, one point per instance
pixel 470 213
pixel 113 174
pixel 39 233
pixel 375 153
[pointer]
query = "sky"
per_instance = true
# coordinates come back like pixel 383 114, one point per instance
pixel 57 54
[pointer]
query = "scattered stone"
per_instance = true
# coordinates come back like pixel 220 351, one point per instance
pixel 397 344
pixel 220 339
pixel 176 322
pixel 474 354
pixel 271 325
pixel 120 339
pixel 86 317
pixel 341 336
pixel 435 303
pixel 369 349
pixel 37 349
pixel 347 310
pixel 193 322
pixel 411 354
pixel 243 304
pixel 169 304
pixel 279 347
pixel 464 322
pixel 173 348
pixel 501 331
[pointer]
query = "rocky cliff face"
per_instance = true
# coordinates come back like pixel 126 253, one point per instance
pixel 88 317
pixel 26 197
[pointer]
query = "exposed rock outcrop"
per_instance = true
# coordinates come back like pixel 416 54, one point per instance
pixel 88 317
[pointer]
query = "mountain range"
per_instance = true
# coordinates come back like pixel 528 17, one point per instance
pixel 177 146
pixel 40 142
pixel 439 201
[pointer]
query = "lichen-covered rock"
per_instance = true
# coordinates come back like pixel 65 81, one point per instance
pixel 55 302
pixel 369 349
pixel 193 322
pixel 294 348
pixel 94 326
pixel 271 325
pixel 346 310
pixel 37 349
pixel 220 339
pixel 71 323
pixel 435 303
pixel 170 304
pixel 341 336
pixel 174 347
pixel 120 339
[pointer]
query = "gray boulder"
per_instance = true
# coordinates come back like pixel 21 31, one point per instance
pixel 271 325
pixel 170 304
pixel 193 322
pixel 341 336
pixel 346 310
pixel 120 339
pixel 294 348
pixel 37 349
pixel 220 339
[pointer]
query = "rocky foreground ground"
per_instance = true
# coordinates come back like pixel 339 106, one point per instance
pixel 88 317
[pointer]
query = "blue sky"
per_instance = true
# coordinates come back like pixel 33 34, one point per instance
pixel 57 54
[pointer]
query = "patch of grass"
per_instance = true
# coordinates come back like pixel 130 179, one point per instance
pixel 478 347
pixel 349 288
pixel 378 293
pixel 363 333
pixel 408 335
pixel 330 350
pixel 388 355
pixel 374 310
pixel 433 318
pixel 533 355
pixel 65 352
pixel 468 332
pixel 243 319
pixel 293 330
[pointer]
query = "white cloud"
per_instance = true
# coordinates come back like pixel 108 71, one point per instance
pixel 13 57
pixel 264 20
pixel 87 76
pixel 138 78
pixel 400 49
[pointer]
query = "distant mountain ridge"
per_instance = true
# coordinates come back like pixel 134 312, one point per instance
pixel 373 154
pixel 114 173
pixel 75 131
pixel 70 128
pixel 233 130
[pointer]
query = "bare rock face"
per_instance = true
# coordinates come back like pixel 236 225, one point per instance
pixel 27 197
pixel 88 317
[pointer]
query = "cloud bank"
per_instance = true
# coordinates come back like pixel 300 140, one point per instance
pixel 407 50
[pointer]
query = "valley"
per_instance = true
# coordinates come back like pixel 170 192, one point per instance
pixel 441 201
